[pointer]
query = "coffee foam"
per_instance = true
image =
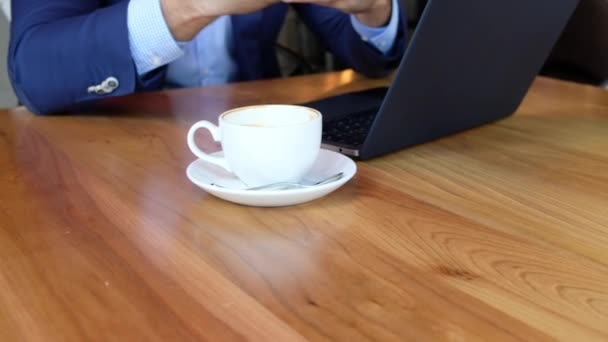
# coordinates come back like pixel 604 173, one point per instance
pixel 270 116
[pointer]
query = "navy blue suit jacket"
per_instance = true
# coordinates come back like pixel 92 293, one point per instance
pixel 60 48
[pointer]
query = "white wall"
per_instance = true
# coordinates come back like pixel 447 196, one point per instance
pixel 7 98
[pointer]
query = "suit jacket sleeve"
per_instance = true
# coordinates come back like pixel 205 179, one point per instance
pixel 336 32
pixel 60 48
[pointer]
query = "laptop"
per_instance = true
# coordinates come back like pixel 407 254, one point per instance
pixel 470 62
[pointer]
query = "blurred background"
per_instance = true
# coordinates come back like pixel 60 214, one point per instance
pixel 581 55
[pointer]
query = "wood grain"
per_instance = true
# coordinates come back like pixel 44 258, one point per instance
pixel 495 234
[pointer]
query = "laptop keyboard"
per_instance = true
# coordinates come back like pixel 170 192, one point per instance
pixel 350 130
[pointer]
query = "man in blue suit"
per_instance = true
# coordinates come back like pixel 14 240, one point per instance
pixel 66 52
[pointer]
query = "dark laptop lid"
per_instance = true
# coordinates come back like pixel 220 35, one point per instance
pixel 469 62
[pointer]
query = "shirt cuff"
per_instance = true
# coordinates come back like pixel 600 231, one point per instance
pixel 382 38
pixel 151 41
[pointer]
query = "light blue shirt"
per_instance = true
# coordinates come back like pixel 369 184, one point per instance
pixel 209 57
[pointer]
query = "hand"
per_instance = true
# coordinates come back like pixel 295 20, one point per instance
pixel 186 18
pixel 228 7
pixel 374 13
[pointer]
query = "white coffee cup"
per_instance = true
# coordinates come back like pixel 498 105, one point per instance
pixel 264 144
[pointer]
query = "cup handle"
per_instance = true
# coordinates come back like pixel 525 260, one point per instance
pixel 215 133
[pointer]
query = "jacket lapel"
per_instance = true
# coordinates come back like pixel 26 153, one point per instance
pixel 254 39
pixel 247 29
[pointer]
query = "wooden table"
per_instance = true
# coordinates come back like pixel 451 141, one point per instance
pixel 499 233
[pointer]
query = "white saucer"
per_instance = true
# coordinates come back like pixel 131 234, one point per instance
pixel 328 163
